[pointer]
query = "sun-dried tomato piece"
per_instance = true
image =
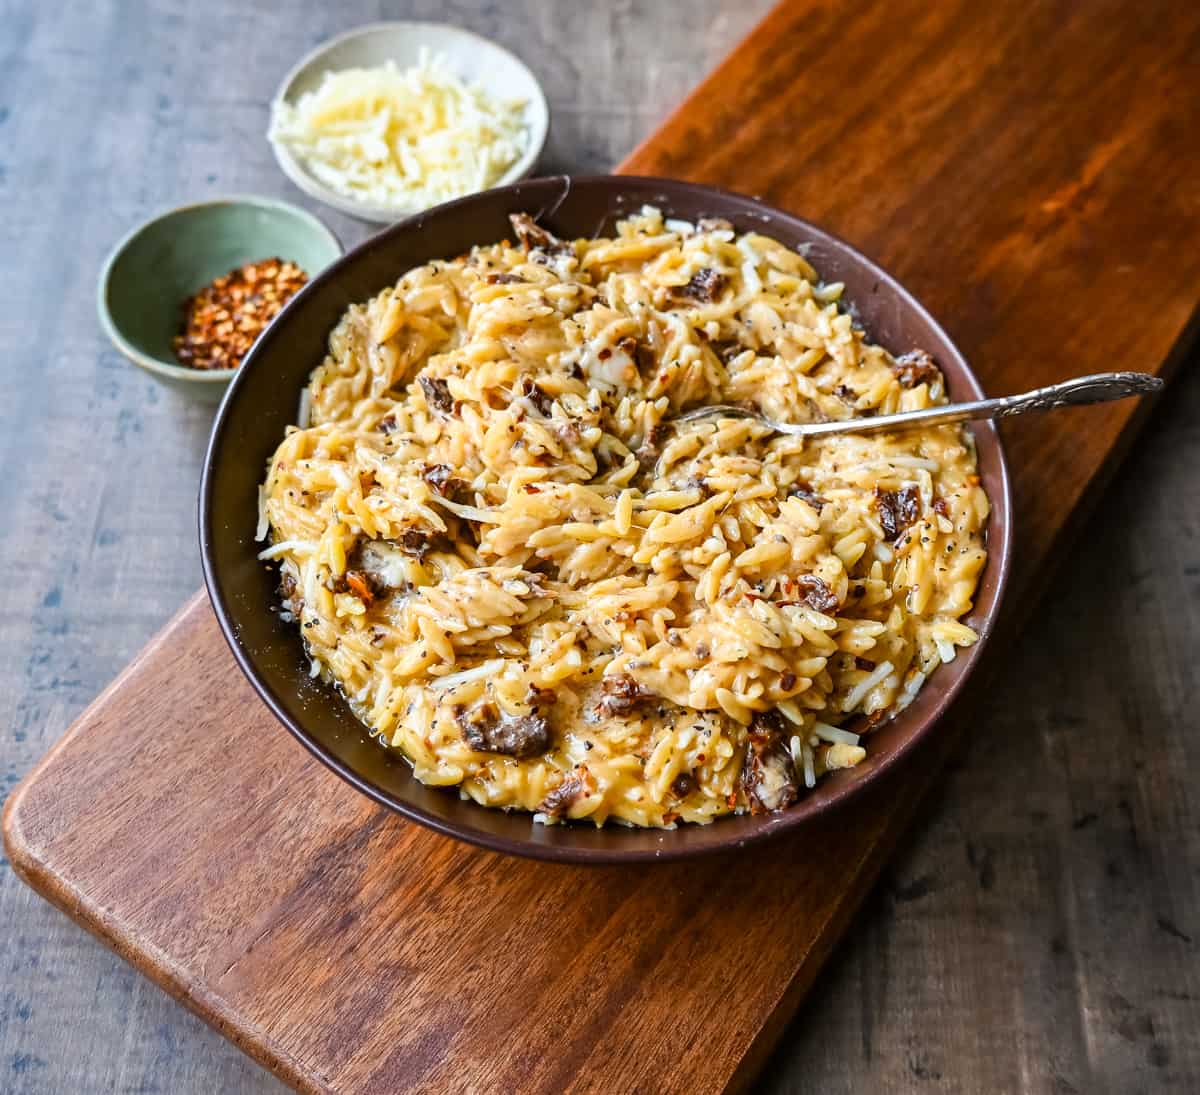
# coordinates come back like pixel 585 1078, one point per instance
pixel 915 367
pixel 437 394
pixel 897 510
pixel 768 774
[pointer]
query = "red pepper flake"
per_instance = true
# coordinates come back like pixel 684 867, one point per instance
pixel 359 586
pixel 222 321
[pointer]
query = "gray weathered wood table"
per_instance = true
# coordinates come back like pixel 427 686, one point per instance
pixel 1040 931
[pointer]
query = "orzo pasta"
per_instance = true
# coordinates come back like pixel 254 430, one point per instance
pixel 544 594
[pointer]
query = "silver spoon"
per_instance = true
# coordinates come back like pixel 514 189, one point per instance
pixel 1082 389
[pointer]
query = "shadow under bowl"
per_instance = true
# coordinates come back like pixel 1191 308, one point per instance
pixel 152 271
pixel 262 401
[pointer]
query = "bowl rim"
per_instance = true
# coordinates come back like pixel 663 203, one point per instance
pixel 295 170
pixel 999 557
pixel 173 370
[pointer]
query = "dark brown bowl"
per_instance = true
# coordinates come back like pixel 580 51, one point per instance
pixel 262 401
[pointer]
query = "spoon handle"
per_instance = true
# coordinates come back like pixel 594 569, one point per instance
pixel 1082 389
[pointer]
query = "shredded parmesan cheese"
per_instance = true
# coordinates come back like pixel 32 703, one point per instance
pixel 407 139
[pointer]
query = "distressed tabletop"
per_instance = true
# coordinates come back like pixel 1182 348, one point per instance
pixel 1040 930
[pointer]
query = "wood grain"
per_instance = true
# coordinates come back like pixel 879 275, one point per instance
pixel 225 931
pixel 333 968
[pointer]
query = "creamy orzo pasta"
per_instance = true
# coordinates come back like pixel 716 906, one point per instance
pixel 527 580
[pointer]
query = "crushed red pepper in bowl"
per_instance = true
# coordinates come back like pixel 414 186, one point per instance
pixel 222 321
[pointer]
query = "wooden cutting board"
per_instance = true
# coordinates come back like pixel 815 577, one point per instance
pixel 1031 172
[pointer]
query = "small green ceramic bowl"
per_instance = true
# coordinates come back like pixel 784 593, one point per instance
pixel 157 266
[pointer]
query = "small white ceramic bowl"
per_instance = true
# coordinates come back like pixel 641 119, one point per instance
pixel 472 58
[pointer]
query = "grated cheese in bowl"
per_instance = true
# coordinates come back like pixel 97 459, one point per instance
pixel 405 139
